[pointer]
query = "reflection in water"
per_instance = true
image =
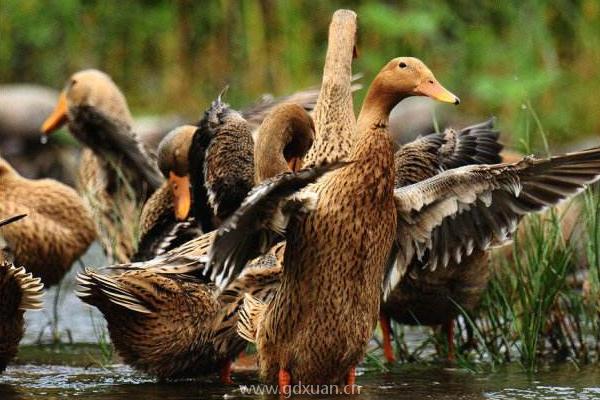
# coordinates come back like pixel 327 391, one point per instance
pixel 404 382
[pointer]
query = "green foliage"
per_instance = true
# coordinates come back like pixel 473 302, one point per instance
pixel 176 56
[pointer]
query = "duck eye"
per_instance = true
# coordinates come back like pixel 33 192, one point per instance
pixel 402 64
pixel 430 81
pixel 73 82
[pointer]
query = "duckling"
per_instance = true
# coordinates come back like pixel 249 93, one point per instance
pixel 57 231
pixel 19 292
pixel 117 174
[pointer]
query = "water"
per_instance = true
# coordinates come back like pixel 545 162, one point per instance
pixel 45 371
pixel 404 382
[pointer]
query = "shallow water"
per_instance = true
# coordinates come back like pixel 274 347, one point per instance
pixel 404 382
pixel 58 372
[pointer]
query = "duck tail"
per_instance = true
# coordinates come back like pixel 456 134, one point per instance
pixel 251 314
pixel 32 289
pixel 94 286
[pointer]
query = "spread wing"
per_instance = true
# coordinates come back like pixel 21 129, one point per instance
pixel 436 152
pixel 479 206
pixel 261 220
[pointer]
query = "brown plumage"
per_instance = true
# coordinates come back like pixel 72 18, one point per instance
pixel 173 325
pixel 320 320
pixel 165 223
pixel 430 297
pixel 116 173
pixel 19 291
pixel 451 220
pixel 282 141
pixel 57 231
pixel 334 112
pixel 221 161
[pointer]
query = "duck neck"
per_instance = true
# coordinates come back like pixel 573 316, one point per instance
pixel 373 151
pixel 270 143
pixel 376 108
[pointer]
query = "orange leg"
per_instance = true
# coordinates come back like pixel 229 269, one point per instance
pixel 225 373
pixel 285 382
pixel 448 329
pixel 386 331
pixel 351 377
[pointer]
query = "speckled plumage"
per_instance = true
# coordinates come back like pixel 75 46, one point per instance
pixel 19 291
pixel 172 326
pixel 430 297
pixel 334 112
pixel 316 328
pixel 58 228
pixel 141 301
pixel 117 173
pixel 221 164
pixel 160 232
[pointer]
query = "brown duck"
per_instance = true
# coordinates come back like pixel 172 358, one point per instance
pixel 165 222
pixel 19 292
pixel 427 297
pixel 57 231
pixel 172 325
pixel 116 173
pixel 316 328
pixel 361 230
pixel 222 150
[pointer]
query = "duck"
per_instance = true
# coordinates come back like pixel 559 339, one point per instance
pixel 317 327
pixel 140 301
pixel 358 236
pixel 165 221
pixel 117 173
pixel 19 292
pixel 223 138
pixel 57 232
pixel 426 297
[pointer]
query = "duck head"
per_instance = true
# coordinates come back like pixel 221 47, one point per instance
pixel 173 153
pixel 403 77
pixel 97 114
pixel 283 139
pixel 89 88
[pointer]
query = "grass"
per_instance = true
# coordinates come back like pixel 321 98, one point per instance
pixel 493 55
pixel 116 215
pixel 105 354
pixel 542 303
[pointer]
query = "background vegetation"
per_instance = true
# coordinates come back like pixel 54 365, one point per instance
pixel 175 56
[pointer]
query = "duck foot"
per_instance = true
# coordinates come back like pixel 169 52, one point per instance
pixel 351 377
pixel 386 332
pixel 448 330
pixel 225 373
pixel 284 381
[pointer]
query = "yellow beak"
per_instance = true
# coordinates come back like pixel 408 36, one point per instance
pixel 58 117
pixel 182 200
pixel 433 89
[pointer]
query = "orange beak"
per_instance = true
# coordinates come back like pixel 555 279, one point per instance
pixel 58 117
pixel 433 89
pixel 182 199
pixel 295 164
